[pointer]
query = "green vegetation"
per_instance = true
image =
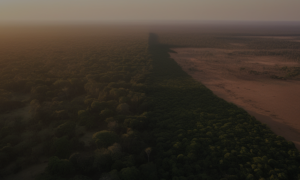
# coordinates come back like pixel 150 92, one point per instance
pixel 77 85
pixel 200 136
pixel 144 117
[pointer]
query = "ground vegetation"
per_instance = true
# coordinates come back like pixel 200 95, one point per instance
pixel 116 106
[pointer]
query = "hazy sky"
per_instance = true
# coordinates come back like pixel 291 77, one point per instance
pixel 148 10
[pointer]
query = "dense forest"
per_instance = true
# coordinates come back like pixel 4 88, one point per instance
pixel 143 116
pixel 76 86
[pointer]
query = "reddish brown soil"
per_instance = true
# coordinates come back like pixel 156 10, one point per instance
pixel 245 81
pixel 274 37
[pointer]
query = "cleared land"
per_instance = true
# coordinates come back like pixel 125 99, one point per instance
pixel 262 85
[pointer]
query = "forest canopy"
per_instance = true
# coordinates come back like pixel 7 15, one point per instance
pixel 116 106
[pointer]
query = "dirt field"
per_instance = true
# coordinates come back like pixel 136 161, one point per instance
pixel 259 84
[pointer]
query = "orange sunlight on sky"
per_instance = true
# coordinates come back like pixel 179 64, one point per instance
pixel 148 11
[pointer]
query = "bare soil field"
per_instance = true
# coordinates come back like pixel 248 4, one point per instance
pixel 262 85
pixel 287 38
pixel 276 37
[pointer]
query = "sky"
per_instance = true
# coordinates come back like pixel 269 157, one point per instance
pixel 148 10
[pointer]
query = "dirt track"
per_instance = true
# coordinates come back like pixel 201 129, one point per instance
pixel 245 81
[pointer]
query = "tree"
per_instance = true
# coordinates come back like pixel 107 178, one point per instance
pixel 112 175
pixel 123 108
pixel 115 151
pixel 85 118
pixel 83 163
pixel 148 151
pixel 98 106
pixel 130 173
pixel 60 84
pixel 65 129
pixel 105 138
pixel 112 125
pixel 60 115
pixel 61 147
pixel 106 113
pixel 124 100
pixel 61 167
pixel 103 160
pixel 149 171
pixel 35 108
